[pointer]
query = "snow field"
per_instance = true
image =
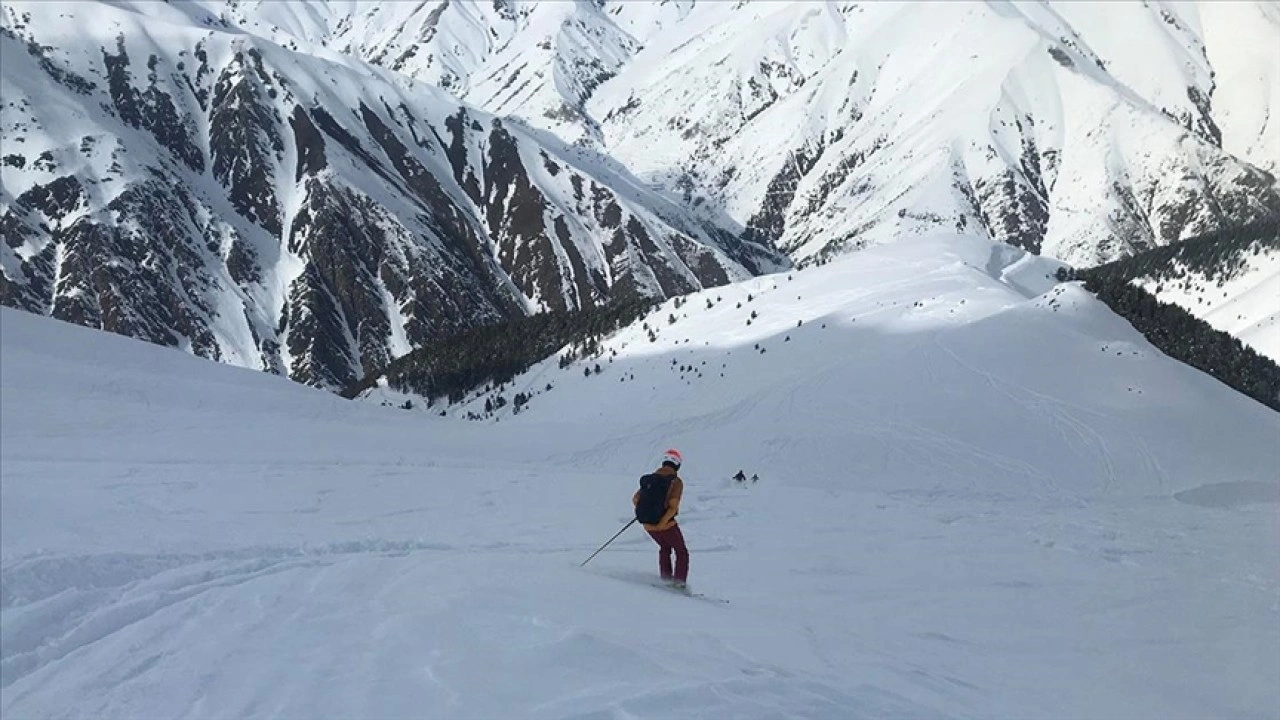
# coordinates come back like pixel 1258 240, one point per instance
pixel 981 495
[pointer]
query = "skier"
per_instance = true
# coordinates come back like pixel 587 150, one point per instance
pixel 657 502
pixel 755 477
pixel 740 477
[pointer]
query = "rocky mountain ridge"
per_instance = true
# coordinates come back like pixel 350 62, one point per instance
pixel 181 182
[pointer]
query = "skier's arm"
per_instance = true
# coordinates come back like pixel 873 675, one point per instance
pixel 673 503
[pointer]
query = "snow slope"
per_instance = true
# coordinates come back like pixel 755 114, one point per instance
pixel 1231 280
pixel 1240 44
pixel 981 495
pixel 1247 306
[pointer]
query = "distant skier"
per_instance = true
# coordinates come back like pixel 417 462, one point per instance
pixel 755 477
pixel 657 502
pixel 740 477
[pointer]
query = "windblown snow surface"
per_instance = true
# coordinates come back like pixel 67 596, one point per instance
pixel 981 495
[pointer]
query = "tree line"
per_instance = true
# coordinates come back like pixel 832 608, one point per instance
pixel 450 368
pixel 1217 256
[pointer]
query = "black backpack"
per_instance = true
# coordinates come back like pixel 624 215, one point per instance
pixel 653 498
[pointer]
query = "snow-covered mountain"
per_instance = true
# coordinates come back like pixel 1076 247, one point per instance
pixel 1229 279
pixel 1082 131
pixel 981 495
pixel 170 177
pixel 1244 303
pixel 1087 131
pixel 313 188
pixel 537 60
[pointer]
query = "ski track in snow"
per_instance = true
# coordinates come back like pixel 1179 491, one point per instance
pixel 966 509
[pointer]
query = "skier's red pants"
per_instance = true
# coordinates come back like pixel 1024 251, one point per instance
pixel 671 540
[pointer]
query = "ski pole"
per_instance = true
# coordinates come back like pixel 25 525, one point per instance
pixel 615 537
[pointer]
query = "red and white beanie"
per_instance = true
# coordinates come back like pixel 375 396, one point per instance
pixel 673 456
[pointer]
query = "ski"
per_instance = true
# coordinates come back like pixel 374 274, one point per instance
pixel 646 580
pixel 689 593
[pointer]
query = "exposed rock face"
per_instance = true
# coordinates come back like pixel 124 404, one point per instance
pixel 215 192
pixel 824 127
pixel 265 183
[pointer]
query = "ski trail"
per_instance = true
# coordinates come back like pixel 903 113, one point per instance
pixel 1056 410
